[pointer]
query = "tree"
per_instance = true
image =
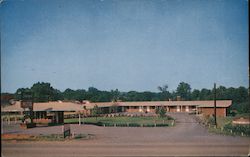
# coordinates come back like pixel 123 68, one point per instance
pixel 115 94
pixel 43 92
pixel 68 94
pixel 93 94
pixel 164 95
pixel 164 88
pixel 19 91
pixel 160 111
pixel 206 94
pixel 221 92
pixel 195 95
pixel 184 90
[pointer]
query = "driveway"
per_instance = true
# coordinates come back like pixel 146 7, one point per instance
pixel 188 137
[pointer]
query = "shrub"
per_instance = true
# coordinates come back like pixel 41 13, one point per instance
pixel 238 129
pixel 121 125
pixel 211 120
pixel 134 125
pixel 149 125
pixel 106 124
pixel 161 125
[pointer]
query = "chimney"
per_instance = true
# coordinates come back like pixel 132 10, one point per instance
pixel 178 98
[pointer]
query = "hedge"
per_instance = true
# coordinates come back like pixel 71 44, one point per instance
pixel 161 125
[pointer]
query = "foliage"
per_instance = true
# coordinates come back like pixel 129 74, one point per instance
pixel 95 111
pixel 211 120
pixel 162 112
pixel 184 90
pixel 241 107
pixel 164 95
pixel 125 121
pixel 238 129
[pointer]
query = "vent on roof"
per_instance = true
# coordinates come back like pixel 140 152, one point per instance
pixel 85 102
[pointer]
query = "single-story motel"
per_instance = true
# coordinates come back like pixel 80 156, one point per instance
pixel 56 110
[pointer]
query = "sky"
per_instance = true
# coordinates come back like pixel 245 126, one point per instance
pixel 124 44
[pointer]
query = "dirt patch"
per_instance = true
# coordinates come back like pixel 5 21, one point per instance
pixel 52 137
pixel 17 137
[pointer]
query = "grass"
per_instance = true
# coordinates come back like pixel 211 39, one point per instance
pixel 123 121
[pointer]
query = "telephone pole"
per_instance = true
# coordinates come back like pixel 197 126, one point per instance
pixel 215 122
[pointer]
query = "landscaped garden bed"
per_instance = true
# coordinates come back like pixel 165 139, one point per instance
pixel 125 121
pixel 225 126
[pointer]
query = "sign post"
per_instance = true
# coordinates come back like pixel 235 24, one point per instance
pixel 27 103
pixel 79 118
pixel 66 130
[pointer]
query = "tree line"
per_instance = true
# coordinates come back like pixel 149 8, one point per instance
pixel 44 92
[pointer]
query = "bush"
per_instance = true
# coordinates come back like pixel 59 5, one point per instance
pixel 238 129
pixel 161 125
pixel 149 125
pixel 211 120
pixel 107 124
pixel 134 125
pixel 121 125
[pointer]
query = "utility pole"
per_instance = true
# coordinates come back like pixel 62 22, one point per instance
pixel 215 122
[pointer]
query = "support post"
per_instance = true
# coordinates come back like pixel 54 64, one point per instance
pixel 215 122
pixel 79 119
pixel 2 121
pixel 9 119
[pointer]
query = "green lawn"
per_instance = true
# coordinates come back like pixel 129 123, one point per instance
pixel 123 120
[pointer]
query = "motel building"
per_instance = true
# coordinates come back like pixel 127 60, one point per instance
pixel 56 111
pixel 197 107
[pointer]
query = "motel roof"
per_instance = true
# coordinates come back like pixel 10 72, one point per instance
pixel 206 103
pixel 45 106
pixel 71 106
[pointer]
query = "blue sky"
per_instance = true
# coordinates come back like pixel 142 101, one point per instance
pixel 124 44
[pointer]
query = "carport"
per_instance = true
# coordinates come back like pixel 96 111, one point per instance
pixel 47 112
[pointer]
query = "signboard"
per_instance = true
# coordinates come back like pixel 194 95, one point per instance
pixel 27 104
pixel 66 130
pixel 27 100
